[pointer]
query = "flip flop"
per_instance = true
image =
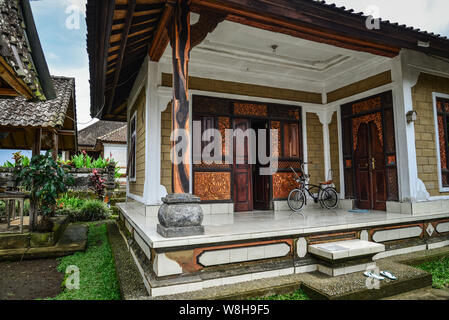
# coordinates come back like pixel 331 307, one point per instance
pixel 388 275
pixel 373 275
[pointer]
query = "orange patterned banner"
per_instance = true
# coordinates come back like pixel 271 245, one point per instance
pixel 250 109
pixel 367 105
pixel 283 183
pixel 211 186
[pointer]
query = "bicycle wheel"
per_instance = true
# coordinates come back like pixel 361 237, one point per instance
pixel 296 200
pixel 329 198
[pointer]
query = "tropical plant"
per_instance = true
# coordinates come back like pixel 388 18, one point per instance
pixel 78 161
pixel 19 160
pixel 97 184
pixel 45 180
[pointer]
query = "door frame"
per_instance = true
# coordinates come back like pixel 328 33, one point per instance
pixel 273 115
pixel 365 107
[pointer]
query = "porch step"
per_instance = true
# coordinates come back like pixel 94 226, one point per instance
pixel 345 257
pixel 345 249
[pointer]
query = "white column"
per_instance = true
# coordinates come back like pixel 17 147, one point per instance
pixel 325 119
pixel 304 140
pixel 152 189
pixel 341 156
pixel 405 78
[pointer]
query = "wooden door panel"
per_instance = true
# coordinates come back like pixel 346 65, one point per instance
pixel 370 168
pixel 378 182
pixel 242 174
pixel 363 181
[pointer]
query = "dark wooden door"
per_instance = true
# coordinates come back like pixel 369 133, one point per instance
pixel 370 168
pixel 261 182
pixel 243 200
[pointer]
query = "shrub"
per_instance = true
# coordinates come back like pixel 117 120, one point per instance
pixel 70 202
pixel 91 210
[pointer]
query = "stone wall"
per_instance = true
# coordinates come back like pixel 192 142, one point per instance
pixel 136 187
pixel 335 155
pixel 166 165
pixel 426 154
pixel 315 149
pixel 81 178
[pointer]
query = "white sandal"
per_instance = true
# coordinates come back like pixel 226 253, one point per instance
pixel 388 275
pixel 370 274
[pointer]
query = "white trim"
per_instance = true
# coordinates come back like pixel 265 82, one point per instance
pixel 340 155
pixel 134 197
pixel 134 133
pixel 435 96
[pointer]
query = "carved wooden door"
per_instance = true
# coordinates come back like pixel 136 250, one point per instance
pixel 370 167
pixel 243 200
pixel 261 182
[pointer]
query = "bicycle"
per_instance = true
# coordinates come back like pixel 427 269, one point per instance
pixel 326 195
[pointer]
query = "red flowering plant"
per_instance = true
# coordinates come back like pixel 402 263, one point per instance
pixel 97 184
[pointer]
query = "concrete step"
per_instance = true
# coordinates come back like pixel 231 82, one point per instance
pixel 345 257
pixel 356 286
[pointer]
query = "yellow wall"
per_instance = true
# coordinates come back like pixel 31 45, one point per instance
pixel 315 149
pixel 426 153
pixel 166 165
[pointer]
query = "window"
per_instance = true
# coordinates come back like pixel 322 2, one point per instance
pixel 441 111
pixel 291 140
pixel 132 148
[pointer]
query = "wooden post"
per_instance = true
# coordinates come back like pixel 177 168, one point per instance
pixel 55 145
pixel 33 204
pixel 180 42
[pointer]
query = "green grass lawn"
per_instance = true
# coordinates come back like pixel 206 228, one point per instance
pixel 439 269
pixel 98 280
pixel 297 295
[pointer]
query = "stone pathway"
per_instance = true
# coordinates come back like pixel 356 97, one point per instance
pixel 130 280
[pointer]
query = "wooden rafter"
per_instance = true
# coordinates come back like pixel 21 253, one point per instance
pixel 128 20
pixel 17 84
pixel 161 39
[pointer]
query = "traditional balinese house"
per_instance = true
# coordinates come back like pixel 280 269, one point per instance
pixel 367 99
pixel 23 68
pixel 99 139
pixel 41 125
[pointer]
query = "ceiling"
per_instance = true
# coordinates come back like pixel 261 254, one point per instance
pixel 236 52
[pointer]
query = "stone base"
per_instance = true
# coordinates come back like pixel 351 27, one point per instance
pixel 174 232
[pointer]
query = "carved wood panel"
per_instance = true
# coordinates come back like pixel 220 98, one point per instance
pixel 213 186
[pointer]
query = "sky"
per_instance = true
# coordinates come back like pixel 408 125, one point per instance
pixel 64 43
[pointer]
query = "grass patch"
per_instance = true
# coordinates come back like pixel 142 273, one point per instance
pixel 297 295
pixel 439 269
pixel 98 280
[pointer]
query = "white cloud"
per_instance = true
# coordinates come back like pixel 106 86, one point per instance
pixel 427 15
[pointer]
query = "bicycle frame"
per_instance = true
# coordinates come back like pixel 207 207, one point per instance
pixel 304 186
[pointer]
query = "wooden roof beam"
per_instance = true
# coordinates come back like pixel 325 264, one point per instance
pixel 161 40
pixel 8 76
pixel 128 21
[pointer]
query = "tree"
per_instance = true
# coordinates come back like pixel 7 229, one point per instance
pixel 45 180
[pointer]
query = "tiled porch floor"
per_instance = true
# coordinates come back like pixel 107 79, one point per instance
pixel 263 224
